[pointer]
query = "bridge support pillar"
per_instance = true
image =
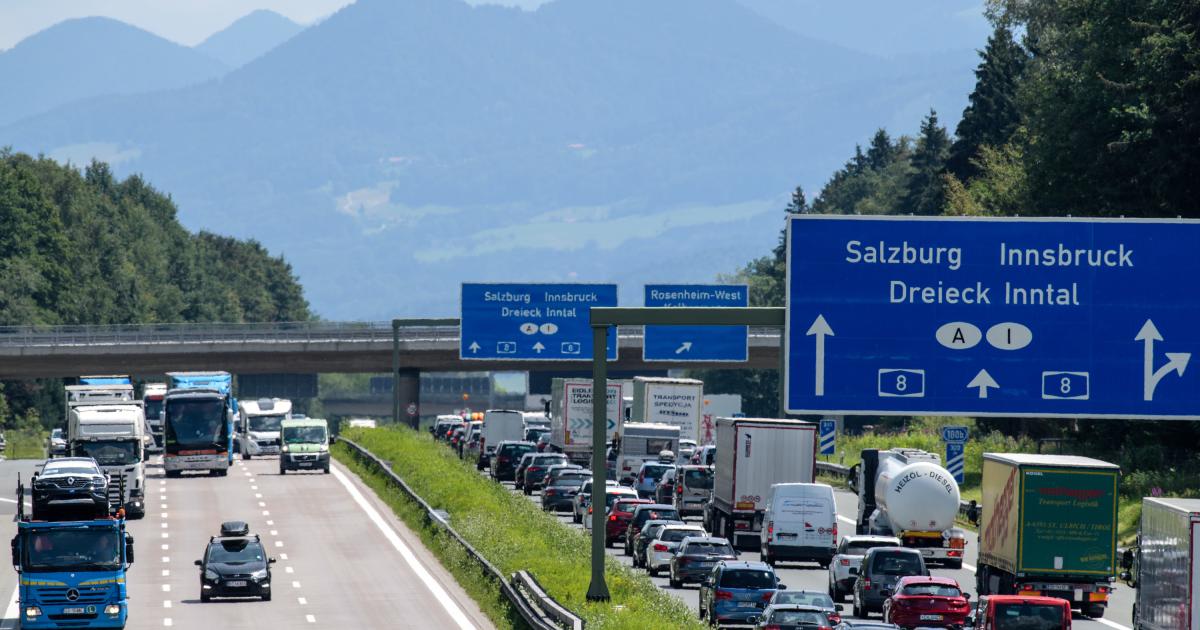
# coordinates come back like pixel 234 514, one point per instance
pixel 406 396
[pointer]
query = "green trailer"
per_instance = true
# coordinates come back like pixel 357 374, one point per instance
pixel 1049 527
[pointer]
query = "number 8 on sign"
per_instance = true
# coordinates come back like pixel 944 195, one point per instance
pixel 901 383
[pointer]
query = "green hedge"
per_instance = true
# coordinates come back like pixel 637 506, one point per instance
pixel 25 444
pixel 511 532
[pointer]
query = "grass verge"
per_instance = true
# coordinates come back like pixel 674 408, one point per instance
pixel 25 445
pixel 511 532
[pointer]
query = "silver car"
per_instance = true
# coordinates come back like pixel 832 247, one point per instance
pixel 660 550
pixel 849 555
pixel 583 499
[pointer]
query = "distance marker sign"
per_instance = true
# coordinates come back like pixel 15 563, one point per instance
pixel 532 322
pixel 993 317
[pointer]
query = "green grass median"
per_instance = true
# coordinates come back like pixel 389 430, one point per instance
pixel 508 530
pixel 25 445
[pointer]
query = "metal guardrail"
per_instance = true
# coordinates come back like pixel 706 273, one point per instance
pixel 531 602
pixel 838 470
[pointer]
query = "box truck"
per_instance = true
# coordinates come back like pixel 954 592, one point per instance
pixel 571 416
pixel 677 401
pixel 1049 527
pixel 1168 565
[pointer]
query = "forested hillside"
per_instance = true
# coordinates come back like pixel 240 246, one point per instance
pixel 1094 110
pixel 86 248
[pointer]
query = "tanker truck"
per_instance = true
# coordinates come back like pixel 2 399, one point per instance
pixel 907 493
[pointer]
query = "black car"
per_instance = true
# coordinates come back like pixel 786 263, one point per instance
pixel 71 487
pixel 649 533
pixel 235 564
pixel 508 455
pixel 560 493
pixel 647 512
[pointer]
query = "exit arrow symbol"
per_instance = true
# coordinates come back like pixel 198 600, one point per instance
pixel 1176 361
pixel 983 381
pixel 821 329
pixel 683 347
pixel 474 347
pixel 538 347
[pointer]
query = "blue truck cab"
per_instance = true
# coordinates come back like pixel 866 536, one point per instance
pixel 219 382
pixel 72 573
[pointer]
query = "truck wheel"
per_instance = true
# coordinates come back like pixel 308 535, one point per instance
pixel 326 469
pixel 675 583
pixel 652 571
pixel 952 564
pixel 858 610
pixel 282 470
pixel 1095 611
pixel 174 474
pixel 204 597
pixel 246 455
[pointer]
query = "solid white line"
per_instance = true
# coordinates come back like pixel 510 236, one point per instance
pixel 12 614
pixel 421 572
pixel 1111 624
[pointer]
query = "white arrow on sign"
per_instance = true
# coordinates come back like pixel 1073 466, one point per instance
pixel 983 381
pixel 821 329
pixel 538 347
pixel 474 347
pixel 1176 361
pixel 683 347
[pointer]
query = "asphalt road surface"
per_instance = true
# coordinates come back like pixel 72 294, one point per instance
pixel 344 560
pixel 809 576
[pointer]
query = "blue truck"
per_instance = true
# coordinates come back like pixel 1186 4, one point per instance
pixel 199 412
pixel 72 572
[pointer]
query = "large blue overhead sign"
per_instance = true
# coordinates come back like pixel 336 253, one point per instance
pixel 532 322
pixel 696 343
pixel 993 317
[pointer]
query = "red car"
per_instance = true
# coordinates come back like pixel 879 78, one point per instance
pixel 1028 613
pixel 921 600
pixel 618 519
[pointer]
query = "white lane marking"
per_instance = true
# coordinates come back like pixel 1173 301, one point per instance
pixel 162 497
pixel 310 619
pixel 969 567
pixel 257 495
pixel 302 601
pixel 7 500
pixel 283 556
pixel 166 559
pixel 269 522
pixel 164 515
pixel 266 513
pixel 166 535
pixel 166 603
pixel 166 588
pixel 164 525
pixel 278 543
pixel 166 572
pixel 421 572
pixel 12 614
pixel 252 480
pixel 295 584
pixel 274 532
pixel 167 622
pixel 247 473
pixel 166 547
pixel 162 482
pixel 1110 624
pixel 254 487
pixel 162 506
pixel 262 504
pixel 287 569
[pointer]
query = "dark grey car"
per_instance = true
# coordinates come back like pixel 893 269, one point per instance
pixel 881 568
pixel 696 558
pixel 72 486
pixel 560 494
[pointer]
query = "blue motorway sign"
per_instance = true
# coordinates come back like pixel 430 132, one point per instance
pixel 955 434
pixel 993 317
pixel 696 343
pixel 828 430
pixel 532 322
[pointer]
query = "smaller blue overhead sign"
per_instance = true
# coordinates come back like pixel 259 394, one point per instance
pixel 532 322
pixel 696 343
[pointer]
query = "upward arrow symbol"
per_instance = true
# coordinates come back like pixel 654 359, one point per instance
pixel 983 381
pixel 538 347
pixel 820 328
pixel 1176 361
pixel 474 347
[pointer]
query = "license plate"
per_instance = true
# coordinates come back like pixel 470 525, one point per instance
pixel 74 611
pixel 235 583
pixel 1058 587
pixel 926 552
pixel 782 535
pixel 931 617
pixel 304 464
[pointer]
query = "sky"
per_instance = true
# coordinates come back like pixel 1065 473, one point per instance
pixel 186 22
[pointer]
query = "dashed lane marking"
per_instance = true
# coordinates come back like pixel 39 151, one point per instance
pixel 283 556
pixel 302 601
pixel 167 622
pixel 287 569
pixel 310 619
pixel 166 572
pixel 166 588
pixel 295 584
pixel 278 543
pixel 166 603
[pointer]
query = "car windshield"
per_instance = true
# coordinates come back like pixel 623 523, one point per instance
pixel 806 598
pixel 709 549
pixel 111 453
pixel 265 423
pixel 698 478
pixel 897 564
pixel 568 482
pixel 676 535
pixel 304 435
pixel 610 498
pixel 623 506
pixel 657 515
pixel 57 433
pixel 1028 617
pixel 933 590
pixel 69 469
pixel 235 552
pixel 196 423
pixel 517 450
pixel 861 548
pixel 72 549
pixel 797 617
pixel 747 578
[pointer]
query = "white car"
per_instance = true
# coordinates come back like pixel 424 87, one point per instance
pixel 660 551
pixel 583 498
pixel 610 495
pixel 849 555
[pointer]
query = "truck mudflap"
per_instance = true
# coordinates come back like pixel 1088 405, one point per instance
pixel 1078 594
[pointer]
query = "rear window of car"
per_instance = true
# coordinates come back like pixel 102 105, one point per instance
pixel 610 499
pixel 625 506
pixel 1028 617
pixel 517 450
pixel 747 578
pixel 861 548
pixel 676 535
pixel 897 564
pixel 656 515
pixel 798 617
pixel 806 598
pixel 698 479
pixel 570 482
pixel 654 472
pixel 708 548
pixel 935 590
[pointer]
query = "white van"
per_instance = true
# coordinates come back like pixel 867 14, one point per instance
pixel 800 523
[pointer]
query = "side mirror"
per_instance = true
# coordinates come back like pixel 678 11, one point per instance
pixel 270 560
pixel 128 550
pixel 839 607
pixel 966 596
pixel 853 570
pixel 1125 575
pixel 16 553
pixel 198 563
pixel 781 587
pixel 752 619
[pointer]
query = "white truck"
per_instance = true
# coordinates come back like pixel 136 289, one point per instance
pixel 152 402
pixel 498 425
pixel 677 401
pixel 112 434
pixel 752 455
pixel 1167 566
pixel 717 406
pixel 907 493
pixel 571 416
pixel 259 425
pixel 643 442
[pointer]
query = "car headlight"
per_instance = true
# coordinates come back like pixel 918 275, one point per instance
pixel 260 574
pixel 209 574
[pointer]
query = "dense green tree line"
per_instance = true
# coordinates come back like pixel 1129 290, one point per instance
pixel 1093 110
pixel 87 248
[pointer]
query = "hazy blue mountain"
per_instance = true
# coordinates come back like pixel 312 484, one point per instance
pixel 88 57
pixel 399 148
pixel 249 38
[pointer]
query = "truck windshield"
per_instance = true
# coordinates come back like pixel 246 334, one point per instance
pixel 153 408
pixel 1028 617
pixel 72 550
pixel 110 453
pixel 196 423
pixel 265 423
pixel 698 479
pixel 304 435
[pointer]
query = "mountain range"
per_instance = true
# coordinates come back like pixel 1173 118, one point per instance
pixel 249 38
pixel 397 149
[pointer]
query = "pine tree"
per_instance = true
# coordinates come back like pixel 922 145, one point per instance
pixel 799 203
pixel 992 115
pixel 882 152
pixel 926 188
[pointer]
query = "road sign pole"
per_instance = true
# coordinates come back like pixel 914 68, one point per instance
pixel 598 589
pixel 395 371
